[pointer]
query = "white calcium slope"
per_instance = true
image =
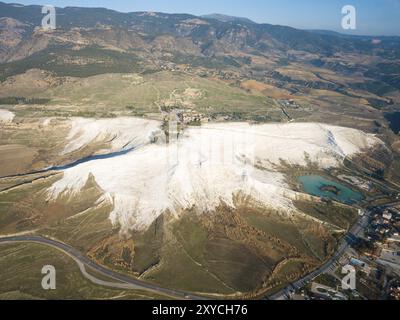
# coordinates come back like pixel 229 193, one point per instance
pixel 121 132
pixel 6 116
pixel 211 164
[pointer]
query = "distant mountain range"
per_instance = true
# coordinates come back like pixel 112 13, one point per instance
pixel 140 41
pixel 204 32
pixel 226 18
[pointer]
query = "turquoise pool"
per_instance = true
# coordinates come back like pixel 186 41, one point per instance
pixel 324 188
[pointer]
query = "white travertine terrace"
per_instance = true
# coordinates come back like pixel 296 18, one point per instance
pixel 206 166
pixel 121 132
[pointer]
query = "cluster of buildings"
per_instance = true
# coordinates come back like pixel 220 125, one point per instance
pixel 375 257
pixel 384 231
pixel 385 224
pixel 394 290
pixel 323 292
pixel 187 117
pixel 289 104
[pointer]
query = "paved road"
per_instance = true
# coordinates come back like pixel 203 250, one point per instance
pixel 331 265
pixel 133 283
pixel 83 261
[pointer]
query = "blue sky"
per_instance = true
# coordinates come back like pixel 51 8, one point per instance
pixel 374 17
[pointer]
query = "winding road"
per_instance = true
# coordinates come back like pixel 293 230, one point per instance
pixel 125 282
pixel 329 265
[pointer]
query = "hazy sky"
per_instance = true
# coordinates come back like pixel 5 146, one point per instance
pixel 374 17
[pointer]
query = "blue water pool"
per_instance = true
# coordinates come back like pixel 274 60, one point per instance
pixel 321 187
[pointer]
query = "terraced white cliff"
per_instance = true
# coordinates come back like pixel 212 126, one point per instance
pixel 120 132
pixel 204 167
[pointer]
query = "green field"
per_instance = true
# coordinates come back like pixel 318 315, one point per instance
pixel 337 215
pixel 116 94
pixel 20 276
